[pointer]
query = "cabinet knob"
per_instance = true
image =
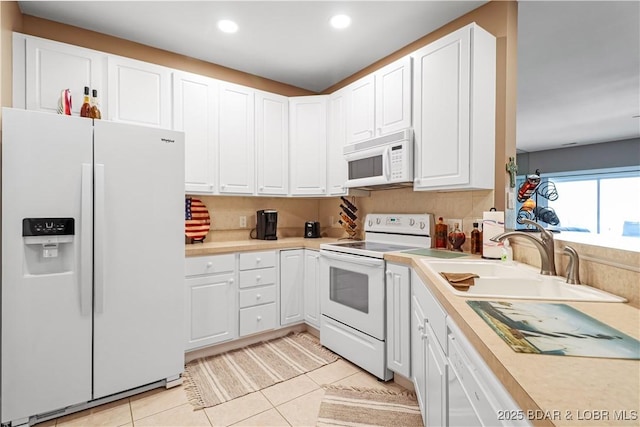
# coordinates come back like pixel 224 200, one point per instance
pixel 261 188
pixel 421 327
pixel 259 318
pixel 258 278
pixel 222 185
pixel 258 296
pixel 258 260
pixel 230 281
pixel 323 189
pixel 209 264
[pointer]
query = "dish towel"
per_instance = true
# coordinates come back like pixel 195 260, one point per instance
pixel 460 281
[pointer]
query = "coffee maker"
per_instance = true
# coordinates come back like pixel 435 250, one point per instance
pixel 266 224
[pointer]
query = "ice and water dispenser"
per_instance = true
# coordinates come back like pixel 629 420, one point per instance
pixel 48 245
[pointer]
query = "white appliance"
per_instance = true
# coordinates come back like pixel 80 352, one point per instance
pixel 92 262
pixel 352 282
pixel 382 162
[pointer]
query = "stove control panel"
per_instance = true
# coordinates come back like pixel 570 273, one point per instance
pixel 419 224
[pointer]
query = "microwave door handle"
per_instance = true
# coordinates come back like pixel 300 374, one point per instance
pixel 371 262
pixel 387 163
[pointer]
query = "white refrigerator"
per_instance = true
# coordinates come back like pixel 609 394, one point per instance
pixel 92 261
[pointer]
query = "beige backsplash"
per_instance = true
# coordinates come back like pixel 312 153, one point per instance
pixel 612 270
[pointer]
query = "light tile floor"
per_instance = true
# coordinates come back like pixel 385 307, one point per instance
pixel 295 402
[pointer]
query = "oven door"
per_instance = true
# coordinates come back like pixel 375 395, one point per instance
pixel 352 291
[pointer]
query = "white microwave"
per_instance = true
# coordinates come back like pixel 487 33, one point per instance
pixel 382 161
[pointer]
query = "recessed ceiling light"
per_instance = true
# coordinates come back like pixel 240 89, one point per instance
pixel 227 26
pixel 340 21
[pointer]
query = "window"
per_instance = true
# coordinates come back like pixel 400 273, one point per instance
pixel 605 203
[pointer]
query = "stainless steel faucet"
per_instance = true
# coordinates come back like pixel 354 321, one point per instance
pixel 544 244
pixel 573 268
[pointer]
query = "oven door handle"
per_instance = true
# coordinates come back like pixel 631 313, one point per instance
pixel 362 260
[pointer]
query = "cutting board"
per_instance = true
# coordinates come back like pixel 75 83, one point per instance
pixel 436 253
pixel 556 329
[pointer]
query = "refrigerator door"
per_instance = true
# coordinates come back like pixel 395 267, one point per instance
pixel 139 256
pixel 46 293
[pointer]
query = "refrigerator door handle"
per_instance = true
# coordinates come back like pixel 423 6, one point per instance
pixel 86 251
pixel 99 239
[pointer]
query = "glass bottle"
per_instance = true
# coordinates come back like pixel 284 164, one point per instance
pixel 85 110
pixel 476 240
pixel 441 234
pixel 95 106
pixel 456 238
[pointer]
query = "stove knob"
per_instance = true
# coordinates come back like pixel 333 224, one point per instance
pixel 422 225
pixel 412 222
pixel 378 220
pixel 370 222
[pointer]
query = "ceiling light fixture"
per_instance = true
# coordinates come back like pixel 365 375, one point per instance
pixel 340 21
pixel 227 26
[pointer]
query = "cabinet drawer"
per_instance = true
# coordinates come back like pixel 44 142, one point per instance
pixel 257 319
pixel 258 277
pixel 195 266
pixel 255 296
pixel 253 260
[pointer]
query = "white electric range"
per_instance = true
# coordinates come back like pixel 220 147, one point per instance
pixel 352 281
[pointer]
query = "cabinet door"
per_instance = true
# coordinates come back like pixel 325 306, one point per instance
pixel 441 111
pixel 308 145
pixel 336 164
pixel 236 139
pixel 436 380
pixel 417 348
pixel 361 109
pixel 272 143
pixel 393 97
pixel 312 287
pixel 211 310
pixel 52 67
pixel 139 92
pixel 398 318
pixel 291 286
pixel 195 112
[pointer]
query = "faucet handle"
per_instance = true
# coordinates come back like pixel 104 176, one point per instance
pixel 573 268
pixel 545 233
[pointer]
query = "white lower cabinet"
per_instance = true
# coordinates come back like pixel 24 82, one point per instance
pixel 211 306
pixel 257 295
pixel 398 318
pixel 312 287
pixel 453 384
pixel 291 286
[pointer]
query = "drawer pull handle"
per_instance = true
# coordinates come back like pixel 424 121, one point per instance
pixel 258 296
pixel 259 318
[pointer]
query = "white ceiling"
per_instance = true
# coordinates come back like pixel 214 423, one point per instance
pixel 286 41
pixel 578 72
pixel 578 61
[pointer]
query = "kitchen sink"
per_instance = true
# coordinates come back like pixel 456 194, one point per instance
pixel 516 281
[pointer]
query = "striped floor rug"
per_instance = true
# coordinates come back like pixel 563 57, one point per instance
pixel 216 379
pixel 353 407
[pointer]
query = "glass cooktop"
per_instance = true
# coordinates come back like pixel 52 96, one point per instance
pixel 373 246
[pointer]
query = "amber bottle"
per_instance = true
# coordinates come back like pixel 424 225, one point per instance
pixel 95 106
pixel 85 110
pixel 441 234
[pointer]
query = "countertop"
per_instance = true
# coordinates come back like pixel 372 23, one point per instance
pixel 215 248
pixel 551 390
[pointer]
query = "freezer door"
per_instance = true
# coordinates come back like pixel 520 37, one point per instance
pixel 139 256
pixel 46 299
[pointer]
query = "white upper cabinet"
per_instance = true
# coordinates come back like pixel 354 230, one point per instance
pixel 52 67
pixel 139 92
pixel 308 145
pixel 236 160
pixel 272 143
pixel 195 112
pixel 337 172
pixel 361 109
pixel 454 111
pixel 393 97
pixel 380 103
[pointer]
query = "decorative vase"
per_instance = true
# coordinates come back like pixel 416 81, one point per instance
pixel 456 238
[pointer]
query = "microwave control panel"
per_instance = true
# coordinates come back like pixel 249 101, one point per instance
pixel 397 152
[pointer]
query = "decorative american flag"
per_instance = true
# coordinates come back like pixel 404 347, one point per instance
pixel 196 219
